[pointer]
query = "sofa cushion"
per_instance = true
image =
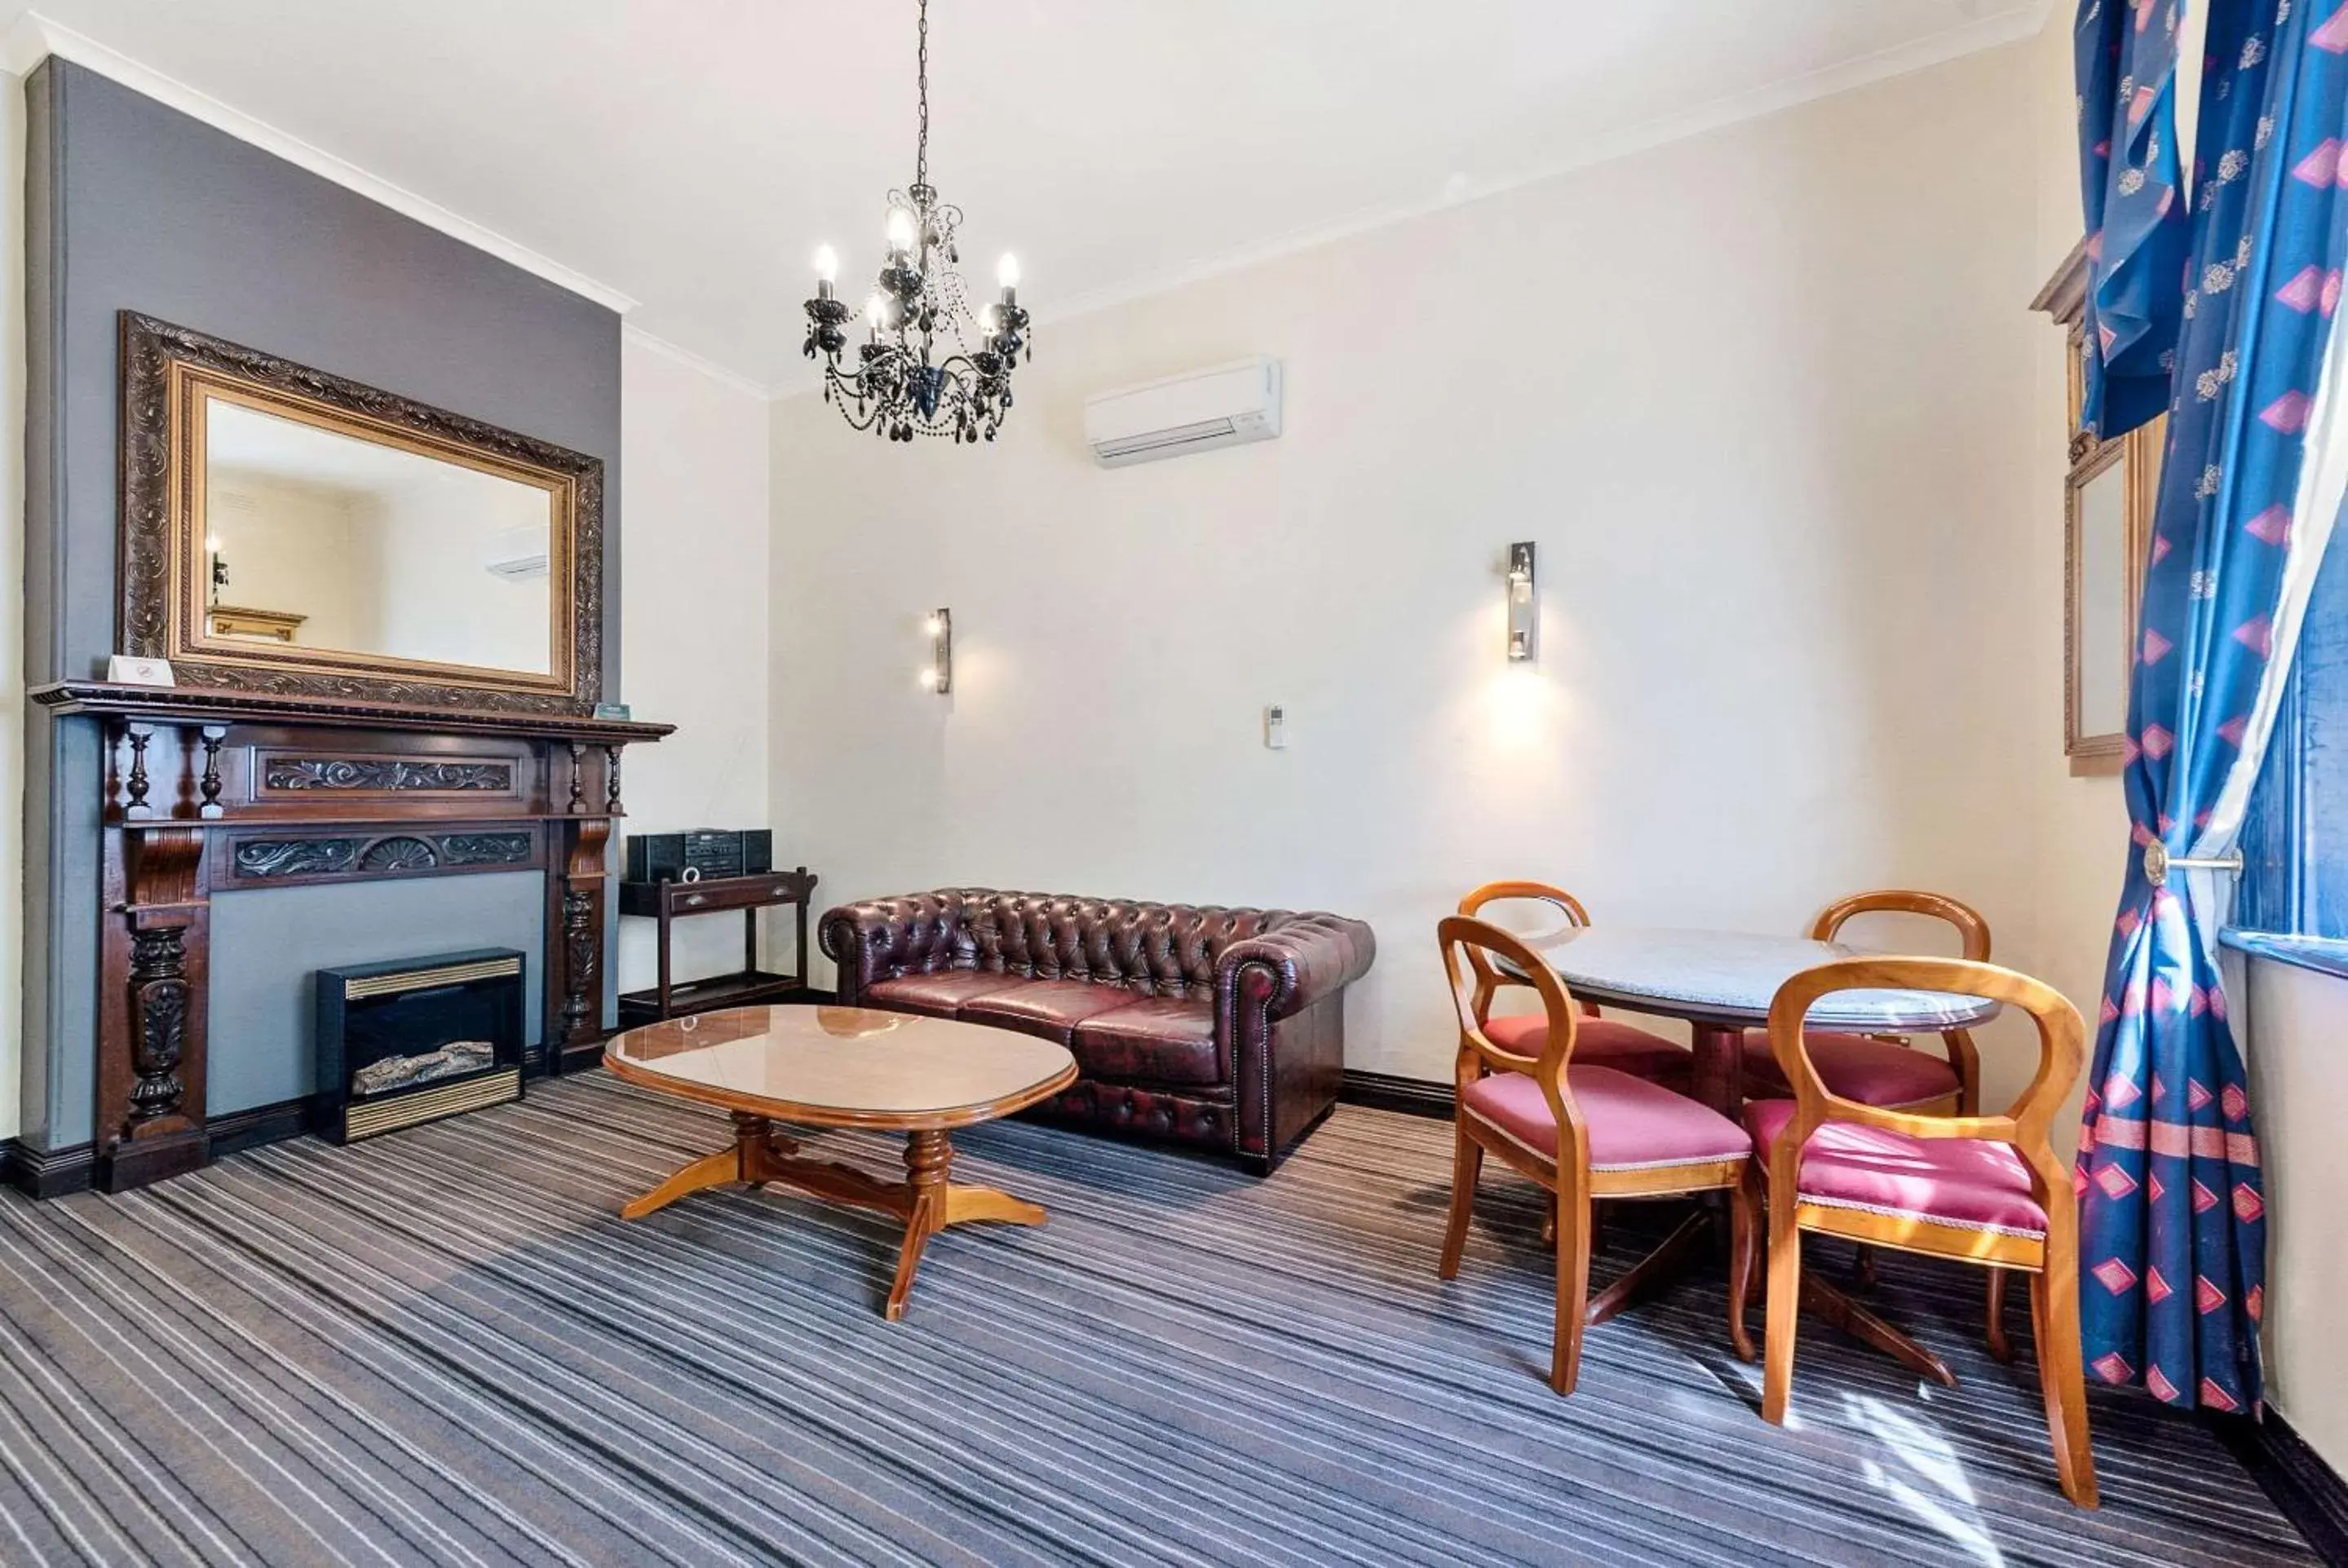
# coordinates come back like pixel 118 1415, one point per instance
pixel 1052 1009
pixel 941 995
pixel 1157 1040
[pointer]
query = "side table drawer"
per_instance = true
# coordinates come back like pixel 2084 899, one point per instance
pixel 733 893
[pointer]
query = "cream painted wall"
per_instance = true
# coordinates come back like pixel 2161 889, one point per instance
pixel 292 547
pixel 1753 395
pixel 692 623
pixel 2082 823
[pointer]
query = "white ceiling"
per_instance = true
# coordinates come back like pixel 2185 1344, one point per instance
pixel 690 154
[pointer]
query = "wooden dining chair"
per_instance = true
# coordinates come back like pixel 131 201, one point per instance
pixel 1582 1132
pixel 1882 1071
pixel 1980 1189
pixel 1887 1072
pixel 1604 1042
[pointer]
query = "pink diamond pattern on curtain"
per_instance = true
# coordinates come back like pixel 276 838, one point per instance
pixel 2169 1183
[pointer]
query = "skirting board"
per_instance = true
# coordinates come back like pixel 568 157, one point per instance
pixel 1386 1092
pixel 47 1172
pixel 2304 1489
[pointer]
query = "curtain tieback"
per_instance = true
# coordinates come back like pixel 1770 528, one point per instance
pixel 2158 862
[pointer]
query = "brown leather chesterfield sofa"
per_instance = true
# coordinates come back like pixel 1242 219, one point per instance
pixel 1224 1028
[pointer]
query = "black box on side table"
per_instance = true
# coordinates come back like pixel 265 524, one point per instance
pixel 666 902
pixel 416 1039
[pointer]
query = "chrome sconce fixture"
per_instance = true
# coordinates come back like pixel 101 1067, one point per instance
pixel 939 676
pixel 1524 605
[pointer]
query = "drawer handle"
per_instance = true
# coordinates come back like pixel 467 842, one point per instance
pixel 693 900
pixel 782 892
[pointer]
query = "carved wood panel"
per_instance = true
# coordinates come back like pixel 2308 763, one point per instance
pixel 277 857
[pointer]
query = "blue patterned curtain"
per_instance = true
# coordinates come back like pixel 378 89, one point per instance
pixel 2125 57
pixel 2173 1233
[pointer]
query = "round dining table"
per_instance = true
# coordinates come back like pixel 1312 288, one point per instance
pixel 1720 984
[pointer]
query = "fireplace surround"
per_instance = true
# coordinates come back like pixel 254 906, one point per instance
pixel 211 790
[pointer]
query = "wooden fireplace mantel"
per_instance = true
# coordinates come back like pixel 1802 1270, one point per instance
pixel 209 791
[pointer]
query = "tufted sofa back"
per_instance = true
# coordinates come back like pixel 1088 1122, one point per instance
pixel 1150 950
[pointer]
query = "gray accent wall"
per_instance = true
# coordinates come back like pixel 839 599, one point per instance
pixel 132 205
pixel 266 945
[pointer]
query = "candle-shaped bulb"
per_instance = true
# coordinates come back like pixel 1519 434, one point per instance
pixel 1006 271
pixel 827 263
pixel 876 310
pixel 900 229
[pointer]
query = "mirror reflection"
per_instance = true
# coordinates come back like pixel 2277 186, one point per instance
pixel 2100 640
pixel 315 539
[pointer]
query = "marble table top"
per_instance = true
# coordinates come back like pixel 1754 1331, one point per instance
pixel 1729 977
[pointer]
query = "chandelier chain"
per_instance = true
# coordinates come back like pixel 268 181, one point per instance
pixel 921 78
pixel 931 363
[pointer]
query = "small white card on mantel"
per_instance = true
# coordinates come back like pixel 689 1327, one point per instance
pixel 122 670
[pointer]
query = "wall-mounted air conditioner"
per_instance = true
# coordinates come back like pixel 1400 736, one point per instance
pixel 517 553
pixel 1223 406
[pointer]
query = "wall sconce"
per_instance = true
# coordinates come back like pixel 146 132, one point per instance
pixel 1524 605
pixel 939 676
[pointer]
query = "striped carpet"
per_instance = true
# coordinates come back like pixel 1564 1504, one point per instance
pixel 442 1348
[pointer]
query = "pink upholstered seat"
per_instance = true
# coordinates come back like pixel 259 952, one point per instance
pixel 1876 1072
pixel 1597 1042
pixel 1970 1184
pixel 1633 1125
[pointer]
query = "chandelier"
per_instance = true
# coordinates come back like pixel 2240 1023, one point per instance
pixel 916 373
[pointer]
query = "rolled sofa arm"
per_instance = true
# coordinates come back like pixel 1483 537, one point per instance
pixel 882 938
pixel 1291 966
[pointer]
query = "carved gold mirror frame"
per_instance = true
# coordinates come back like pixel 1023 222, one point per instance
pixel 2137 456
pixel 171 374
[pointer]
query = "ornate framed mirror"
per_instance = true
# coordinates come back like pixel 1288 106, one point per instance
pixel 286 530
pixel 2107 502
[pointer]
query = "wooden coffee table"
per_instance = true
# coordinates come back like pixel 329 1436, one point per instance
pixel 846 1067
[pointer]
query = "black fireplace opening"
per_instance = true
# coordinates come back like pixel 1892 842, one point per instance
pixel 415 1039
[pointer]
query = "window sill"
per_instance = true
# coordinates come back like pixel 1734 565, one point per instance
pixel 2324 955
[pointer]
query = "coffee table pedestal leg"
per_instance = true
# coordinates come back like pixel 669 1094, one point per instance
pixel 927 1200
pixel 755 1144
pixel 935 1203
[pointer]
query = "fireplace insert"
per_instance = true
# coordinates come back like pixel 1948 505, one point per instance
pixel 416 1039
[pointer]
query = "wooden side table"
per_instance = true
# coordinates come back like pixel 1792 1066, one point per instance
pixel 666 902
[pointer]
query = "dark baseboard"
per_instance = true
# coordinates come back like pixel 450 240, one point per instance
pixel 2304 1489
pixel 261 1124
pixel 48 1172
pixel 1385 1091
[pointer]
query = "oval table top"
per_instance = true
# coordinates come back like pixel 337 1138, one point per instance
pixel 1728 978
pixel 843 1066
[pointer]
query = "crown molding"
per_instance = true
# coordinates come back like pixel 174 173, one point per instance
pixel 34 38
pixel 2023 21
pixel 732 379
